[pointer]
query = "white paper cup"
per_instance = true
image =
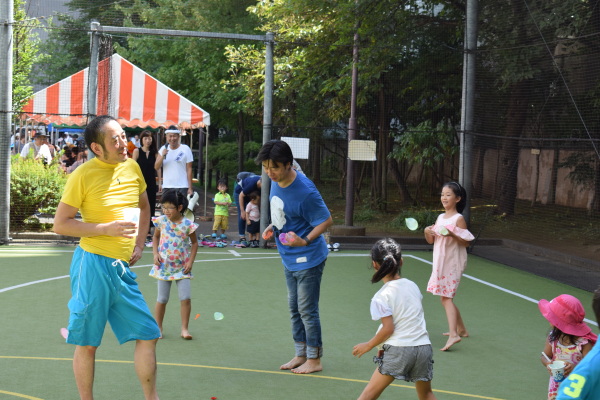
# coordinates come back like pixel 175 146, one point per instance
pixel 132 214
pixel 558 370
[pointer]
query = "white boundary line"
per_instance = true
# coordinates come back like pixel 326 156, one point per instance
pixel 532 300
pixel 240 258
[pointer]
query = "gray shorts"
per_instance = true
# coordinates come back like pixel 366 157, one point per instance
pixel 411 364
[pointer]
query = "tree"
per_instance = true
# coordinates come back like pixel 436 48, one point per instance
pixel 177 62
pixel 25 47
pixel 67 49
pixel 398 43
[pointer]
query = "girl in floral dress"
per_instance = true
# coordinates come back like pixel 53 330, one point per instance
pixel 174 248
pixel 450 238
pixel 570 338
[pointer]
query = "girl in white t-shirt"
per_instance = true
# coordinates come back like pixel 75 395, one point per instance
pixel 406 353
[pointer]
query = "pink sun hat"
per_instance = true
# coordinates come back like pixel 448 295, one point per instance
pixel 566 313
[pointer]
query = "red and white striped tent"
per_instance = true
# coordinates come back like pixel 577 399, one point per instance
pixel 125 92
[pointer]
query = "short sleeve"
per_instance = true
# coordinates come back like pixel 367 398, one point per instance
pixel 379 309
pixel 158 222
pixel 191 227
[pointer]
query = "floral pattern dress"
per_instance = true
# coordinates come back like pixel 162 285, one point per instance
pixel 569 353
pixel 449 257
pixel 174 247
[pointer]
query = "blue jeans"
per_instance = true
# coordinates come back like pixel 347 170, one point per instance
pixel 304 289
pixel 241 222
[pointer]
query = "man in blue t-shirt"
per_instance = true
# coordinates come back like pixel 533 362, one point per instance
pixel 299 212
pixel 583 383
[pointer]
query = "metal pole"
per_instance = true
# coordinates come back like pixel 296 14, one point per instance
pixel 93 71
pixel 267 131
pixel 6 73
pixel 352 128
pixel 205 169
pixel 468 104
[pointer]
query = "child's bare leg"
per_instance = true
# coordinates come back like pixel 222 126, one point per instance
pixel 293 363
pixel 159 315
pixel 451 315
pixel 376 386
pixel 460 325
pixel 186 309
pixel 424 391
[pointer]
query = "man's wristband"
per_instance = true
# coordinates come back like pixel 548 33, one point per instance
pixel 307 240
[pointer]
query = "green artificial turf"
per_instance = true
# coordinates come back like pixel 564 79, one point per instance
pixel 239 356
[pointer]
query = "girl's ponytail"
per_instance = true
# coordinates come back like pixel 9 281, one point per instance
pixel 386 253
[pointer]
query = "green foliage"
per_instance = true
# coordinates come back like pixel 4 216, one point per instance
pixel 33 187
pixel 193 67
pixel 25 47
pixel 223 156
pixel 425 145
pixel 365 213
pixel 582 168
pixel 425 217
pixel 66 51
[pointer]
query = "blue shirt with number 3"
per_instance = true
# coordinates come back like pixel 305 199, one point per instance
pixel 583 383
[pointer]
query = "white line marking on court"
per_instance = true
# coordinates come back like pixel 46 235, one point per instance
pixel 239 258
pixel 496 287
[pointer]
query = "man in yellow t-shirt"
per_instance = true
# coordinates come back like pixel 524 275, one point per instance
pixel 102 285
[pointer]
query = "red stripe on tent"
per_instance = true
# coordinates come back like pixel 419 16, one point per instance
pixel 29 106
pixel 103 87
pixel 52 99
pixel 149 98
pixel 197 115
pixel 77 82
pixel 125 90
pixel 172 106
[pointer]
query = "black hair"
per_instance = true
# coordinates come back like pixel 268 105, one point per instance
pixel 459 191
pixel 176 198
pixel 254 195
pixel 557 334
pixel 277 151
pixel 145 133
pixel 388 254
pixel 94 131
pixel 224 183
pixel 596 304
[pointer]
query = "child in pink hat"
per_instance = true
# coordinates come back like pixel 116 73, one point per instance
pixel 570 338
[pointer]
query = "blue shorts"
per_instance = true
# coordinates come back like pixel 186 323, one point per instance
pixel 104 289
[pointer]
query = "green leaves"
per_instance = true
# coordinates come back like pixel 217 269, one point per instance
pixel 33 187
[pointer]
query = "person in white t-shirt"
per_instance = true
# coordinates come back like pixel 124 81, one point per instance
pixel 176 161
pixel 38 149
pixel 405 351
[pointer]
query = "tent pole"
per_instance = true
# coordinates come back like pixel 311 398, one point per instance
pixel 206 170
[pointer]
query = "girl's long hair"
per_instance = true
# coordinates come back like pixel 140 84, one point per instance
pixel 557 334
pixel 388 254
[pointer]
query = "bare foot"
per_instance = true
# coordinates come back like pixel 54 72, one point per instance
pixel 451 341
pixel 293 363
pixel 461 334
pixel 186 334
pixel 311 365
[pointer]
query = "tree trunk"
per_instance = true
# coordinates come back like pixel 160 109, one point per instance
pixel 509 151
pixel 241 128
pixel 398 176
